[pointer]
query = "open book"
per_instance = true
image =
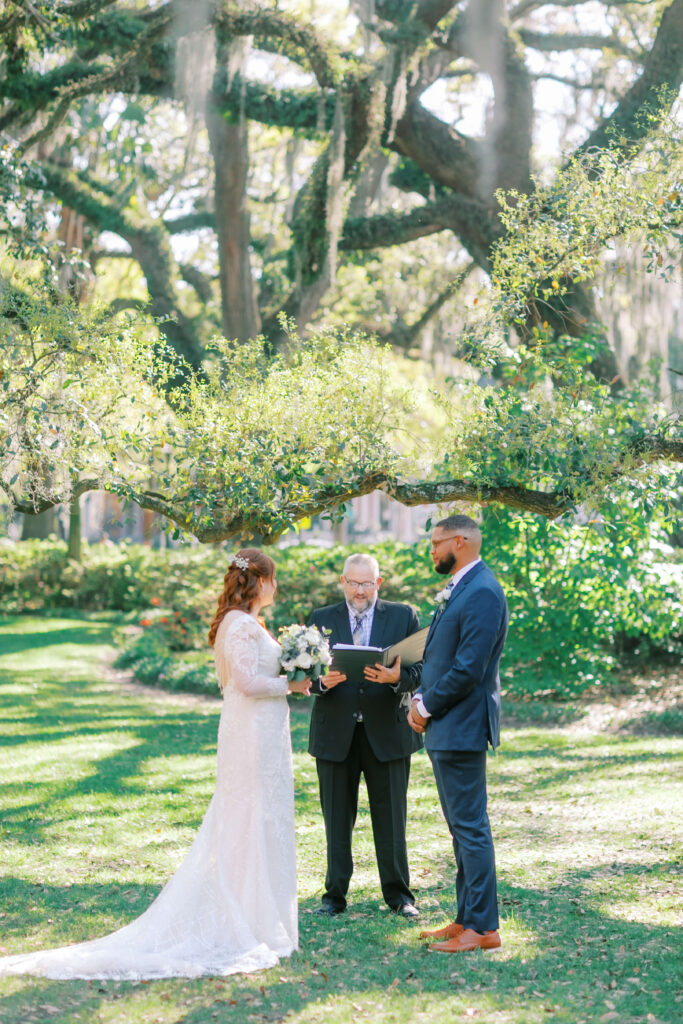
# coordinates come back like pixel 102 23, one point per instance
pixel 352 659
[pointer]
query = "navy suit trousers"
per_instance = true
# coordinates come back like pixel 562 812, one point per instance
pixel 461 783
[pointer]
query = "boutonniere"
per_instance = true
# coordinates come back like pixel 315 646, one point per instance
pixel 443 596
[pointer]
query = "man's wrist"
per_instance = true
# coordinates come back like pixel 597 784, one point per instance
pixel 418 704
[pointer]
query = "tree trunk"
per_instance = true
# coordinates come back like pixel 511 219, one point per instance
pixel 74 549
pixel 229 146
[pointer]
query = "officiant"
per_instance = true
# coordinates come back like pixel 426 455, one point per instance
pixel 359 727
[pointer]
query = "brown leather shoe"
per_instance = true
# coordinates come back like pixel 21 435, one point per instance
pixel 466 940
pixel 449 932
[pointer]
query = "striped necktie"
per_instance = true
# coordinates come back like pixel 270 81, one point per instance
pixel 358 631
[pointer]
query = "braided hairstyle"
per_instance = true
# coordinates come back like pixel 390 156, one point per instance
pixel 241 586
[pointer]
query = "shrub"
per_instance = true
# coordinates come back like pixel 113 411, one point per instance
pixel 579 596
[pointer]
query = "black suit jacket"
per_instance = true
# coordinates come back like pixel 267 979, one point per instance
pixel 336 711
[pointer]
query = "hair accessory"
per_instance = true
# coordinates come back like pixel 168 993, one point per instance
pixel 239 561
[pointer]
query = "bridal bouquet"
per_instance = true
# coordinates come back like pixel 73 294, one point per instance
pixel 305 652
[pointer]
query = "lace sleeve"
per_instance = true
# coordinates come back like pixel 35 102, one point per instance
pixel 240 652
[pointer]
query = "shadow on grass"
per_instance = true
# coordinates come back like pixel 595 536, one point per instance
pixel 18 634
pixel 28 905
pixel 574 962
pixel 564 957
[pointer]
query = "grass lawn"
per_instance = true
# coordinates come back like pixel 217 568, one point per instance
pixel 103 787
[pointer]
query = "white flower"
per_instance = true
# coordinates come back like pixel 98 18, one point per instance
pixel 304 660
pixel 443 595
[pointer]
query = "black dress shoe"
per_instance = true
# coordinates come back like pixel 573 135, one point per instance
pixel 408 910
pixel 327 909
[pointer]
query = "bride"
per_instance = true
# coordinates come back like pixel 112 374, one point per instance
pixel 231 906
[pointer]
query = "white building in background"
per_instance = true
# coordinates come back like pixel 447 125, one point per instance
pixel 370 518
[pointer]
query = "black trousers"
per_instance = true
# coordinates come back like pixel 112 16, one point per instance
pixel 387 783
pixel 461 783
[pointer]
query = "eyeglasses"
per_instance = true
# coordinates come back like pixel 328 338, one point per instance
pixel 451 536
pixel 356 585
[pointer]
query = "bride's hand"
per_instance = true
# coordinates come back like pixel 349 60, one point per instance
pixel 301 686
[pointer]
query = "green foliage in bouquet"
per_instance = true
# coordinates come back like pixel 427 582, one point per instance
pixel 305 652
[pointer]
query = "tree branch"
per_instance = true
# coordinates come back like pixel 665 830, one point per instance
pixel 307 110
pixel 34 507
pixel 662 68
pixel 269 524
pixel 404 336
pixel 200 281
pixel 526 6
pixel 558 42
pixel 191 222
pixel 296 40
pixel 84 9
pixel 391 228
pixel 149 246
pixel 122 303
pixel 449 157
pixel 158 23
pixel 453 212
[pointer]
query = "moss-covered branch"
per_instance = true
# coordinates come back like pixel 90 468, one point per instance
pixel 294 39
pixel 149 246
pixel 226 524
pixel 467 217
pixel 189 222
pixel 307 110
pixel 392 228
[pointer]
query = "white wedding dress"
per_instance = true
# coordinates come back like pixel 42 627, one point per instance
pixel 231 906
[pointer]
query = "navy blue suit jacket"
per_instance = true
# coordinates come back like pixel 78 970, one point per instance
pixel 460 684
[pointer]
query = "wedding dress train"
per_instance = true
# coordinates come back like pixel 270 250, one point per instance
pixel 231 906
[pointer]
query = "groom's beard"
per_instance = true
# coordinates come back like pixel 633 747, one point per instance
pixel 445 565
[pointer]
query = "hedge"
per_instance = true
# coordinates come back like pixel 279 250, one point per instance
pixel 579 599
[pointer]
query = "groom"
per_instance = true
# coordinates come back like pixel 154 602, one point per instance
pixel 458 708
pixel 358 726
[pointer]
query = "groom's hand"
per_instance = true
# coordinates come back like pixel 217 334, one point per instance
pixel 415 720
pixel 382 674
